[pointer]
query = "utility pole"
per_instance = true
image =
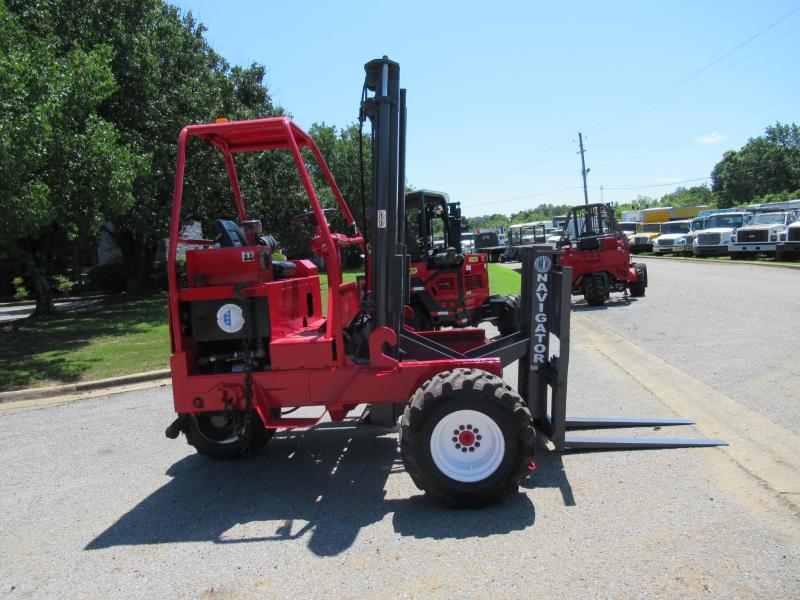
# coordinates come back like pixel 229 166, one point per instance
pixel 584 170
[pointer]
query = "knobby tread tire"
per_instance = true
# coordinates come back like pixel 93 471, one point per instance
pixel 421 320
pixel 637 288
pixel 508 321
pixel 594 289
pixel 474 390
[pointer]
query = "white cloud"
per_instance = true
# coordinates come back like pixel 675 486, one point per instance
pixel 715 137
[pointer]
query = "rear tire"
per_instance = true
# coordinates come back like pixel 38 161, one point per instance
pixel 637 288
pixel 214 435
pixel 594 289
pixel 421 320
pixel 508 321
pixel 467 438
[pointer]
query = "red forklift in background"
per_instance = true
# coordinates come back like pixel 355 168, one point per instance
pixel 448 287
pixel 596 248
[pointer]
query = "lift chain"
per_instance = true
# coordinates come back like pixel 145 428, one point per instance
pixel 243 431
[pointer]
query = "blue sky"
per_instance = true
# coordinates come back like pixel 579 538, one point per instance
pixel 498 91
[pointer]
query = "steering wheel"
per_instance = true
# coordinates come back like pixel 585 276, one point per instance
pixel 310 216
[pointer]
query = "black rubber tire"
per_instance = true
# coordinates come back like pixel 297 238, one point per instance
pixel 421 320
pixel 637 287
pixel 509 322
pixel 737 255
pixel 594 289
pixel 221 442
pixel 466 389
pixel 782 255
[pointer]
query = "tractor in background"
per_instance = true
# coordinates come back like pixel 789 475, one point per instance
pixel 596 248
pixel 448 287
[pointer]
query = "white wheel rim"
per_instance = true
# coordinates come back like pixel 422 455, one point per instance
pixel 467 446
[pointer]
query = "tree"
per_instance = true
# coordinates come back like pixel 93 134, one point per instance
pixel 62 168
pixel 166 76
pixel 340 149
pixel 693 196
pixel 767 164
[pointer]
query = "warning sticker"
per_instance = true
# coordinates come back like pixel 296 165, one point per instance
pixel 381 219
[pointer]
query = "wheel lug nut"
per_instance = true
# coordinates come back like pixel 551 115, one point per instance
pixel 464 449
pixel 477 443
pixel 472 449
pixel 458 446
pixel 469 426
pixel 455 439
pixel 461 427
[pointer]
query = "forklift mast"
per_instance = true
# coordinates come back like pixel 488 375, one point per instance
pixel 386 110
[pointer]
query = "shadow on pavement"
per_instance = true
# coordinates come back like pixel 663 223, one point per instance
pixel 550 473
pixel 325 483
pixel 612 302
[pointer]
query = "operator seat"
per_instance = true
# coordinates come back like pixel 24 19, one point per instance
pixel 412 244
pixel 281 269
pixel 448 258
pixel 227 234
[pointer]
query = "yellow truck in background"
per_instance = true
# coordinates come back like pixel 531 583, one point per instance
pixel 649 221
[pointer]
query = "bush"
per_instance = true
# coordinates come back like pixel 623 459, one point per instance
pixel 158 278
pixel 20 291
pixel 108 278
pixel 62 284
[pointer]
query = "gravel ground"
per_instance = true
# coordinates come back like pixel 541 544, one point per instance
pixel 96 503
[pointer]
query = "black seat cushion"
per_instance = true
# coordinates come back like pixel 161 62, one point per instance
pixel 228 234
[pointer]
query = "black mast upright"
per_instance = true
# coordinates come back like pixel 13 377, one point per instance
pixel 386 112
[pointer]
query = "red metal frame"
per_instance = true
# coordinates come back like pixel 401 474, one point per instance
pixel 309 366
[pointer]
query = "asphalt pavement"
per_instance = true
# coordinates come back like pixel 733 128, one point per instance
pixel 97 503
pixel 734 327
pixel 13 311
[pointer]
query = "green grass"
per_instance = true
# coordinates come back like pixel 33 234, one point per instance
pixel 116 338
pixel 323 285
pixel 503 281
pixel 101 341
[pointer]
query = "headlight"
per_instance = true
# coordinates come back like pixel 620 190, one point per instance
pixel 773 237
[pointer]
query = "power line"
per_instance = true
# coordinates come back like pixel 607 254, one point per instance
pixel 570 189
pixel 753 169
pixel 621 117
pixel 658 148
pixel 636 187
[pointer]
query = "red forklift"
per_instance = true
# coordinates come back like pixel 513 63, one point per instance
pixel 448 287
pixel 596 248
pixel 251 342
